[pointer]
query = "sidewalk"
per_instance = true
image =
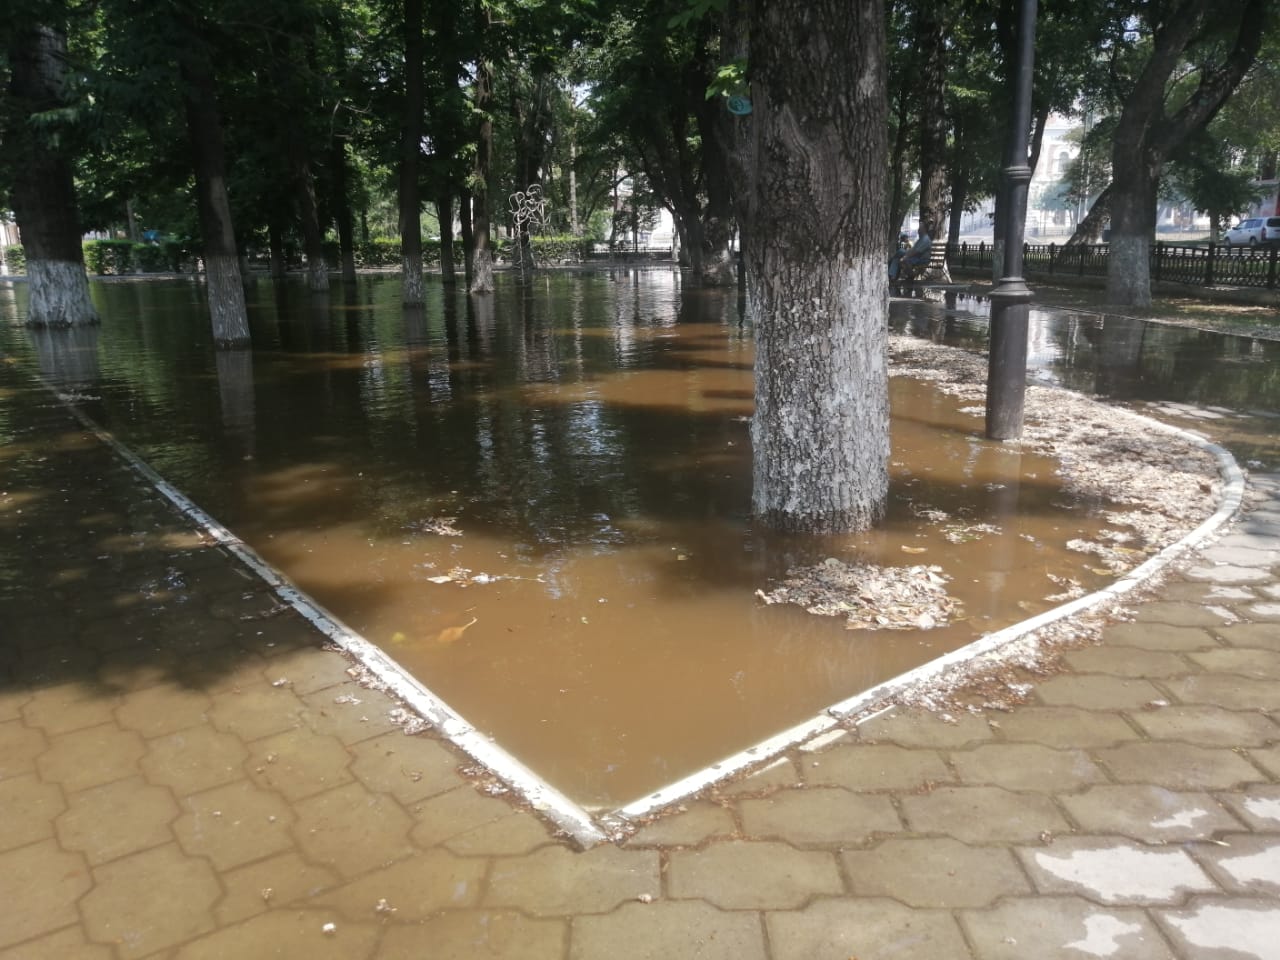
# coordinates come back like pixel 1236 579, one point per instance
pixel 185 772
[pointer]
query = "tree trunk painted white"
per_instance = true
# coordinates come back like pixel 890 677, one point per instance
pixel 59 294
pixel 226 301
pixel 820 433
pixel 1129 270
pixel 814 152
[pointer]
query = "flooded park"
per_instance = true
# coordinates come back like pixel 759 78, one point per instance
pixel 538 503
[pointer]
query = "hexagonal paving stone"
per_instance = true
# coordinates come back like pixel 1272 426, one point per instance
pixel 1248 864
pixel 458 811
pixel 872 767
pixel 28 807
pixel 983 815
pixel 819 815
pixel 163 708
pixel 116 819
pixel 352 829
pixel 637 931
pixel 258 710
pixel 934 872
pixel 685 827
pixel 67 944
pixel 917 729
pixel 39 886
pixel 1235 928
pixel 299 763
pixel 408 768
pixel 1208 726
pixel 19 747
pixel 1062 928
pixel 193 760
pixel 91 756
pixel 417 888
pixel 1178 766
pixel 287 933
pixel 1147 813
pixel 557 881
pixel 234 824
pixel 514 835
pixel 752 875
pixel 1026 766
pixel 349 712
pixel 268 884
pixel 67 707
pixel 478 935
pixel 179 895
pixel 1065 727
pixel 864 928
pixel 1114 871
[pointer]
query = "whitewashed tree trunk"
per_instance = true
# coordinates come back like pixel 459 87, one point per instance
pixel 1129 270
pixel 815 215
pixel 227 312
pixel 59 294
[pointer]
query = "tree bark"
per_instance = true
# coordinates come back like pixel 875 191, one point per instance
pixel 818 298
pixel 227 310
pixel 931 47
pixel 410 156
pixel 342 210
pixel 482 255
pixel 43 191
pixel 444 214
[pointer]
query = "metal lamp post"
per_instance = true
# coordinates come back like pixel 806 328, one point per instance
pixel 1011 298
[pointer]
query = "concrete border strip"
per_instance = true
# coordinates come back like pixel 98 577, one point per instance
pixel 568 816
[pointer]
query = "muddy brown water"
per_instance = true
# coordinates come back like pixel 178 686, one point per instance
pixel 585 436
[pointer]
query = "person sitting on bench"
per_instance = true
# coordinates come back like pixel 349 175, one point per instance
pixel 917 256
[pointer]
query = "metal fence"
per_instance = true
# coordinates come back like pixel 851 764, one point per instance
pixel 1201 266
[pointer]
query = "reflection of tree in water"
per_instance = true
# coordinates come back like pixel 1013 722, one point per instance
pixel 67 356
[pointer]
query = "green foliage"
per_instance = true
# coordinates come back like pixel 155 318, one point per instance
pixel 105 257
pixel 551 248
pixel 16 258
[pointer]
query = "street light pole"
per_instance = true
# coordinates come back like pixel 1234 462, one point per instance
pixel 1011 298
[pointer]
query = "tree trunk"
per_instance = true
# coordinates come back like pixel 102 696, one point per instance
pixel 468 235
pixel 444 213
pixel 1133 225
pixel 43 187
pixel 222 265
pixel 818 298
pixel 410 155
pixel 1089 229
pixel 931 47
pixel 482 256
pixel 312 236
pixel 342 211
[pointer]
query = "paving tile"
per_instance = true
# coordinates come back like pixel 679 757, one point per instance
pixel 1242 863
pixel 1208 726
pixel 1228 573
pixel 1206 593
pixel 752 875
pixel 449 814
pixel 348 712
pixel 1113 871
pixel 352 830
pixel 28 807
pixel 1257 806
pixel 39 886
pixel 257 711
pixel 408 768
pixel 516 834
pixel 1208 929
pixel 779 775
pixel 1177 614
pixel 934 873
pixel 1147 813
pixel 1065 727
pixel 1121 661
pixel 19 747
pixel 67 944
pixel 177 905
pixel 864 928
pixel 477 935
pixel 1177 766
pixel 311 669
pixel 1096 692
pixel 1256 664
pixel 668 929
pixel 193 760
pixel 872 767
pixel 68 707
pixel 1160 636
pixel 979 815
pixel 919 729
pixel 1025 766
pixel 818 815
pixel 299 763
pixel 162 709
pixel 555 881
pixel 268 884
pixel 287 934
pixel 234 824
pixel 11 703
pixel 698 822
pixel 1062 928
pixel 1215 689
pixel 117 819
pixel 1242 552
pixel 91 756
pixel 1268 758
pixel 416 888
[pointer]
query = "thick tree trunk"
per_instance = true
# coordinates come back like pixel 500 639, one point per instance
pixel 1133 225
pixel 482 256
pixel 43 187
pixel 312 235
pixel 444 213
pixel 1089 230
pixel 468 235
pixel 931 47
pixel 222 264
pixel 410 154
pixel 342 212
pixel 818 298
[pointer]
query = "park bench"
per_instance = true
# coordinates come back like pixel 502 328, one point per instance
pixel 935 270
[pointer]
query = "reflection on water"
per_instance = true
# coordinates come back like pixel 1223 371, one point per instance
pixel 586 436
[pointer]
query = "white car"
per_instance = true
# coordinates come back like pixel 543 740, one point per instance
pixel 1254 232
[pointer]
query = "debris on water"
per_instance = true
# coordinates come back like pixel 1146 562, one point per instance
pixel 441 526
pixel 967 532
pixel 867 596
pixel 383 907
pixel 281 682
pixel 451 634
pixel 407 721
pixel 347 698
pixel 645 898
pixel 329 929
pixel 267 893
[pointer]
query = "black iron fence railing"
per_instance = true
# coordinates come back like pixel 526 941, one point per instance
pixel 1201 266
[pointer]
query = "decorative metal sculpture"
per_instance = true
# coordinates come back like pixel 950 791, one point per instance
pixel 528 209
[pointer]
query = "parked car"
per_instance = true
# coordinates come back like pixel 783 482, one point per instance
pixel 1254 232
